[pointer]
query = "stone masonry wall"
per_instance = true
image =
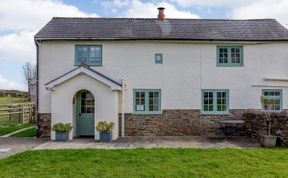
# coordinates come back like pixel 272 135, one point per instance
pixel 175 123
pixel 256 124
pixel 44 125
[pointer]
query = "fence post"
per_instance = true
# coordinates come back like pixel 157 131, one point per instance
pixel 9 113
pixel 23 114
pixel 30 114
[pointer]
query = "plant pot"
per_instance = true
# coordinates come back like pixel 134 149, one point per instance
pixel 62 136
pixel 268 141
pixel 105 137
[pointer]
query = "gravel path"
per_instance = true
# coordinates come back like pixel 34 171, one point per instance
pixel 10 145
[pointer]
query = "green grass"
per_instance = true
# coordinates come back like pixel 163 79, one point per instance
pixel 148 163
pixel 26 133
pixel 8 128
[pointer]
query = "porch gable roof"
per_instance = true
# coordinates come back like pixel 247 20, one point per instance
pixel 84 69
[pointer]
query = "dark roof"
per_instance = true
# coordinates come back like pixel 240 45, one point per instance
pixel 170 29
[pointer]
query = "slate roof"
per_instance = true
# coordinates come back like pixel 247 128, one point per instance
pixel 171 29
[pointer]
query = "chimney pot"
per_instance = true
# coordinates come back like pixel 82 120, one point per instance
pixel 161 15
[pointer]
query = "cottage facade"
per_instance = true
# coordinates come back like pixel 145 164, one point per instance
pixel 157 76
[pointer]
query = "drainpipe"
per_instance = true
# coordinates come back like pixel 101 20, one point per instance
pixel 37 87
pixel 123 108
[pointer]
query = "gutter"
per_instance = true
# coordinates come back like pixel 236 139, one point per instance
pixel 156 39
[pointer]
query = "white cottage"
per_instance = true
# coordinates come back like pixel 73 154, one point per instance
pixel 157 76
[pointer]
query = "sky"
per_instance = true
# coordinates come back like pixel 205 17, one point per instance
pixel 21 19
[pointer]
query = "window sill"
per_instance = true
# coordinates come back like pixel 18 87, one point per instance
pixel 143 113
pixel 89 65
pixel 229 65
pixel 215 114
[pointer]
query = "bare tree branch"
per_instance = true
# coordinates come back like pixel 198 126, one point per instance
pixel 29 72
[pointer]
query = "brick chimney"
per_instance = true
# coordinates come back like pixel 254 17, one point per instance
pixel 161 15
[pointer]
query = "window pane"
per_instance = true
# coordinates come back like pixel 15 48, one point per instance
pixel 208 101
pixel 87 102
pixel 82 55
pixel 154 101
pixel 221 101
pixel 95 55
pixel 235 55
pixel 223 55
pixel 140 101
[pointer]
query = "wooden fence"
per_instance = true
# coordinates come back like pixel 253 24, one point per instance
pixel 19 113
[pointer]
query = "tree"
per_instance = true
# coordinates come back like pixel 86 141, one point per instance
pixel 29 71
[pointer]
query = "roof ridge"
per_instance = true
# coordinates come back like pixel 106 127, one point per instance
pixel 130 18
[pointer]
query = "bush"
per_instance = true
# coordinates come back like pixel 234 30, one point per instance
pixel 104 126
pixel 62 128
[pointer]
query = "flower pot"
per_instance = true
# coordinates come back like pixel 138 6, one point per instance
pixel 105 137
pixel 62 136
pixel 268 141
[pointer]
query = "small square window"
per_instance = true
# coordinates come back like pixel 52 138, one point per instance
pixel 158 58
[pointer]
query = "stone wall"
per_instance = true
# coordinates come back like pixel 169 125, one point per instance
pixel 175 123
pixel 44 125
pixel 256 123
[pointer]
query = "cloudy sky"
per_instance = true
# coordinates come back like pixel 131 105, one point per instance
pixel 21 19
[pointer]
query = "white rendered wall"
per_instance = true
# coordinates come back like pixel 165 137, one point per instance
pixel 106 103
pixel 187 68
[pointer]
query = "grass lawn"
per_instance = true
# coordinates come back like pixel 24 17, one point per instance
pixel 148 163
pixel 26 133
pixel 8 128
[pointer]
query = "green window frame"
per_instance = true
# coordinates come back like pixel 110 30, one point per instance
pixel 158 58
pixel 229 56
pixel 272 99
pixel 215 102
pixel 147 101
pixel 88 54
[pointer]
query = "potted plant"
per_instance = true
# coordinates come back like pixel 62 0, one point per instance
pixel 62 131
pixel 268 140
pixel 105 130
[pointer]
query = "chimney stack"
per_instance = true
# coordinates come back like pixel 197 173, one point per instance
pixel 161 15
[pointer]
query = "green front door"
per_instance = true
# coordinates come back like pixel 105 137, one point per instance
pixel 85 123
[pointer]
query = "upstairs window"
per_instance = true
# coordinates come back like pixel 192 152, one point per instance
pixel 215 102
pixel 147 101
pixel 229 56
pixel 272 99
pixel 88 54
pixel 158 58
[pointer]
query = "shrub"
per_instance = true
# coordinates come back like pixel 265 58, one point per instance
pixel 60 127
pixel 104 126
